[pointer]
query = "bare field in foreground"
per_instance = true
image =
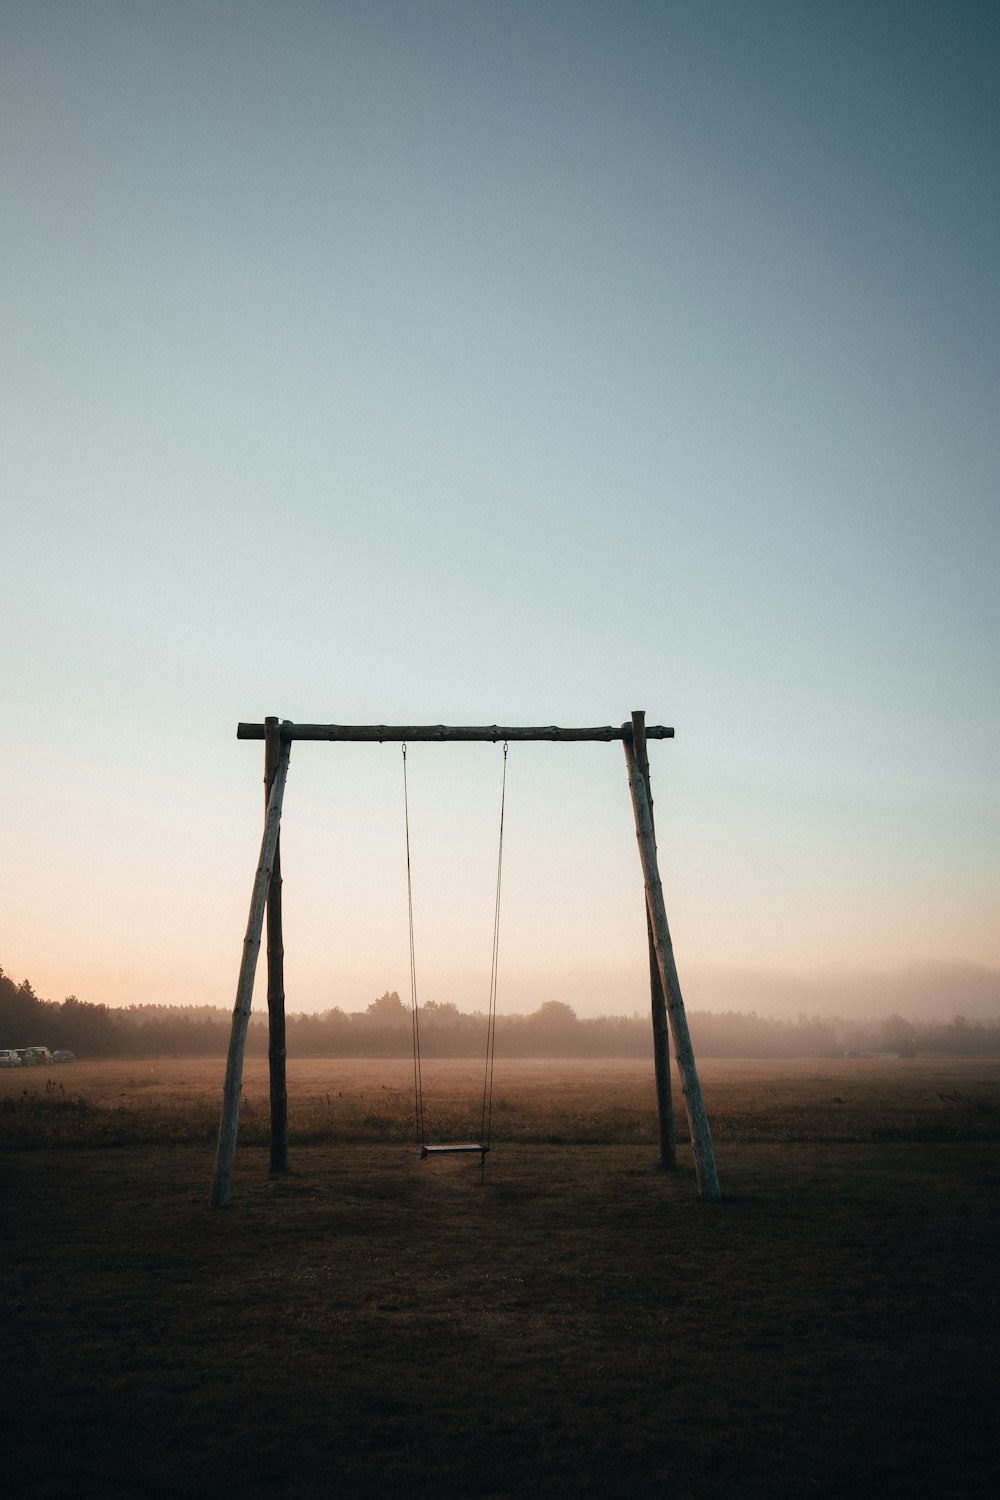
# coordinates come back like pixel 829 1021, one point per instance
pixel 578 1324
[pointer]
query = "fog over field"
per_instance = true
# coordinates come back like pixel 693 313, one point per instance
pixel 922 992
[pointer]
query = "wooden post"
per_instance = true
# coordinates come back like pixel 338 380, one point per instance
pixel 658 1008
pixel 275 977
pixel 701 1135
pixel 226 1150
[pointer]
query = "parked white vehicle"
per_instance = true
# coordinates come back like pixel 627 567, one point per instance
pixel 9 1058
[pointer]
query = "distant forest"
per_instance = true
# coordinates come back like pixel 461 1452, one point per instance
pixel 384 1030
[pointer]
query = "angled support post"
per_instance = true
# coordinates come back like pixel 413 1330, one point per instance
pixel 694 1104
pixel 658 1007
pixel 226 1150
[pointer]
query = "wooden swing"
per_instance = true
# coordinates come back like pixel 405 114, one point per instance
pixel 667 1006
pixel 455 1148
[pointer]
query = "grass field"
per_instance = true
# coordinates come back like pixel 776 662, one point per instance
pixel 578 1324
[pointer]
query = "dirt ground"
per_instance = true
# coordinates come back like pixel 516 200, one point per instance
pixel 578 1323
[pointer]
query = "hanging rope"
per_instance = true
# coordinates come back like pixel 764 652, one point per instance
pixel 486 1121
pixel 418 1085
pixel 486 1129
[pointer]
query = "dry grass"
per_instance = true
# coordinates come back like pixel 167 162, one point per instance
pixel 544 1102
pixel 578 1325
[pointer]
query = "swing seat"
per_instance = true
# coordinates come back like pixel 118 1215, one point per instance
pixel 459 1148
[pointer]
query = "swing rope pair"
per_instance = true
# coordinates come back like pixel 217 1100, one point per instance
pixel 486 1119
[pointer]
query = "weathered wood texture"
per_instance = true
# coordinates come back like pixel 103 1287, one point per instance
pixel 441 732
pixel 226 1149
pixel 657 1004
pixel 694 1104
pixel 275 978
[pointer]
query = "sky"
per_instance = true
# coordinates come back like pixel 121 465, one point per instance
pixel 517 363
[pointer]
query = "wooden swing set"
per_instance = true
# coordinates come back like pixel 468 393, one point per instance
pixel 667 1005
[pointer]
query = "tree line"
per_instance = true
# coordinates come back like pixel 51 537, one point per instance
pixel 384 1029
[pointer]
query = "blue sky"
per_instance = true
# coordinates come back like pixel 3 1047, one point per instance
pixel 520 362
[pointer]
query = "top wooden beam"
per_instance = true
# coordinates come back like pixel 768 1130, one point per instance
pixel 441 732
